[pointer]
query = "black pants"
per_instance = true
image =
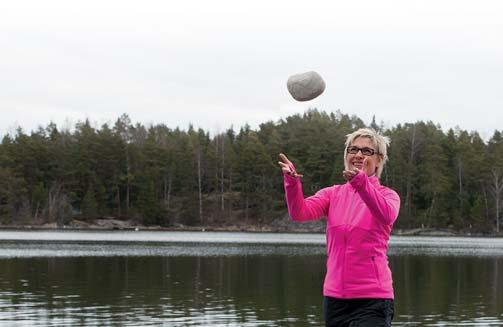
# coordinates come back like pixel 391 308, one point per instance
pixel 357 312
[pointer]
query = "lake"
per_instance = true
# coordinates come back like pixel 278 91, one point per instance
pixel 72 278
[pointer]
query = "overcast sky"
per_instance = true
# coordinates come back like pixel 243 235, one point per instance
pixel 221 63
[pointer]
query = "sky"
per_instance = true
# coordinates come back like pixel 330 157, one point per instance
pixel 220 63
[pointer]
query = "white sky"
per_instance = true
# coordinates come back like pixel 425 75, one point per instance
pixel 221 63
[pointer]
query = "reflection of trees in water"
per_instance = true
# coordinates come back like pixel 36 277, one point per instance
pixel 447 286
pixel 496 286
pixel 243 288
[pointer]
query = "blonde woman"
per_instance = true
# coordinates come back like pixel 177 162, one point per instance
pixel 358 288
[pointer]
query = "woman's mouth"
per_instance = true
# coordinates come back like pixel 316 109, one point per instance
pixel 358 165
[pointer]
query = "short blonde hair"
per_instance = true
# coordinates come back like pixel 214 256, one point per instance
pixel 381 143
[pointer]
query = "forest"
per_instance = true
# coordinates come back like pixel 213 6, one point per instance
pixel 160 176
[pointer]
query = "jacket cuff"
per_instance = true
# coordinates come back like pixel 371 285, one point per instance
pixel 289 180
pixel 358 181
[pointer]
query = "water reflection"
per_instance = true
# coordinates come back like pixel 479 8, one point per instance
pixel 184 291
pixel 14 249
pixel 448 291
pixel 245 290
pixel 155 243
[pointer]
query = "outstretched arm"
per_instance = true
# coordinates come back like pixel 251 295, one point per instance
pixel 301 209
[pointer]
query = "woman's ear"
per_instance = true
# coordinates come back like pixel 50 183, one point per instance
pixel 381 159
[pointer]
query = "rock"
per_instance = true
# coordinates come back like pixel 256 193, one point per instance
pixel 433 232
pixel 305 86
pixel 425 232
pixel 285 224
pixel 112 224
pixel 79 224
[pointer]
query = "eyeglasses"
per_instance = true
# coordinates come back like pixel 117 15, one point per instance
pixel 365 151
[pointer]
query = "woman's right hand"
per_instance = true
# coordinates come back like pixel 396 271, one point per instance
pixel 287 166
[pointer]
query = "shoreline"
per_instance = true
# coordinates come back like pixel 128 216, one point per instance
pixel 119 225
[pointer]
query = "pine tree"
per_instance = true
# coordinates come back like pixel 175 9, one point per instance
pixel 89 205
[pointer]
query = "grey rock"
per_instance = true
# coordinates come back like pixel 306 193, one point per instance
pixel 305 86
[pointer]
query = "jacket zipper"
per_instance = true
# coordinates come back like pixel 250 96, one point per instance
pixel 344 263
pixel 347 226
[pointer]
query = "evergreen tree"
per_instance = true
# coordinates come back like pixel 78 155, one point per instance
pixel 89 205
pixel 165 176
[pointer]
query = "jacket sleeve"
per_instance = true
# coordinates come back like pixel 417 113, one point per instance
pixel 311 208
pixel 384 203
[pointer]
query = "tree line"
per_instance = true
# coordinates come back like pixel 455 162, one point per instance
pixel 157 175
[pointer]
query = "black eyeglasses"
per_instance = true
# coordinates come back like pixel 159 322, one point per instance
pixel 365 151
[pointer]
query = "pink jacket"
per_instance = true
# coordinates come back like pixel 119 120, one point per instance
pixel 360 215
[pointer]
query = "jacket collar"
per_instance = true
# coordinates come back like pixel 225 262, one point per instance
pixel 374 180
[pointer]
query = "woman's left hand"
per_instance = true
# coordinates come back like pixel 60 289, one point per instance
pixel 349 173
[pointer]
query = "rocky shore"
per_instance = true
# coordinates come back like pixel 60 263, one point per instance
pixel 280 225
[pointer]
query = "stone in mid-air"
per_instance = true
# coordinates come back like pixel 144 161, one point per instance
pixel 305 86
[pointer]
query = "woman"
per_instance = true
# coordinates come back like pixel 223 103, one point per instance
pixel 360 214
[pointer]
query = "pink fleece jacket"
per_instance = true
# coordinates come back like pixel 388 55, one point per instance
pixel 360 215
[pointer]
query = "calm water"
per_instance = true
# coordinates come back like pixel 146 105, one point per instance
pixel 230 279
